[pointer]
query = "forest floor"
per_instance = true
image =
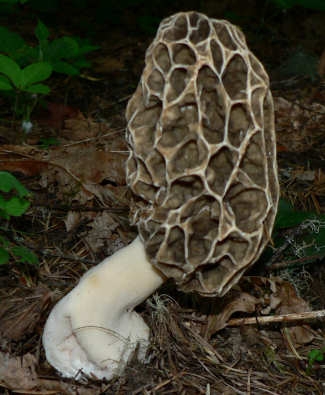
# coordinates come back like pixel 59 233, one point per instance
pixel 79 215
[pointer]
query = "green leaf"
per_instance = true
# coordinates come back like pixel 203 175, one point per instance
pixel 300 63
pixel 47 7
pixel 10 42
pixel 4 256
pixel 16 206
pixel 288 217
pixel 13 1
pixel 4 241
pixel 8 182
pixel 284 4
pixel 148 23
pixel 85 49
pixel 315 355
pixel 47 142
pixel 35 72
pixel 41 32
pixel 81 63
pixel 38 88
pixel 312 4
pixel 10 69
pixel 84 46
pixel 25 255
pixel 65 68
pixel 3 214
pixel 62 48
pixel 26 55
pixel 5 85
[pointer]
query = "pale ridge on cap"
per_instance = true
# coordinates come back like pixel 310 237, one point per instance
pixel 202 162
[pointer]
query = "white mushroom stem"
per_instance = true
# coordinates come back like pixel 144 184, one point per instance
pixel 93 329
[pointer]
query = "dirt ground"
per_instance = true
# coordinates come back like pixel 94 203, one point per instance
pixel 80 214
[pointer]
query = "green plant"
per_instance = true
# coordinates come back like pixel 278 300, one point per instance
pixel 312 4
pixel 8 7
pixel 26 79
pixel 47 142
pixel 13 203
pixel 315 355
pixel 66 55
pixel 148 23
pixel 23 68
pixel 309 240
pixel 300 63
pixel 13 1
pixel 25 83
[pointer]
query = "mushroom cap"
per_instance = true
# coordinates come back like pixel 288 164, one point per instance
pixel 202 164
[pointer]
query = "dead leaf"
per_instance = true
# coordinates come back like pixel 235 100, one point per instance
pixel 26 167
pixel 101 231
pixel 56 114
pixel 22 159
pixel 21 313
pixel 270 295
pixel 19 375
pixel 72 220
pixel 75 170
pixel 299 124
pixel 91 164
pixel 107 64
pixel 242 302
pixel 80 128
pixel 18 372
pixel 290 302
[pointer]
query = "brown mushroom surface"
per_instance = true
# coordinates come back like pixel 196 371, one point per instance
pixel 202 162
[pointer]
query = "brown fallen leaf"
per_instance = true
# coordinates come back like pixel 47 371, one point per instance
pixel 18 372
pixel 20 313
pixel 270 295
pixel 78 170
pixel 299 124
pixel 100 229
pixel 290 302
pixel 19 375
pixel 107 64
pixel 56 114
pixel 242 302
pixel 80 128
pixel 26 167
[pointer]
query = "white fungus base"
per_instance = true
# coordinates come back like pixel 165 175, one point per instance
pixel 93 330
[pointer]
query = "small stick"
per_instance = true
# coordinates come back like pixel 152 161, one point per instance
pixel 285 264
pixel 308 315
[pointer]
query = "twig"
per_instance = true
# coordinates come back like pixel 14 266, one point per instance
pixel 306 316
pixel 285 264
pixel 80 208
pixel 86 187
pixel 64 256
pixel 46 162
pixel 102 136
pixel 286 335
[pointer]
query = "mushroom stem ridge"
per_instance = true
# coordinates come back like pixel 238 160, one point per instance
pixel 93 330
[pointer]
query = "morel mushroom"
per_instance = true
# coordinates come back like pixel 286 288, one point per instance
pixel 202 168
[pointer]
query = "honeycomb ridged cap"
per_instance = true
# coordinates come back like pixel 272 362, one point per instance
pixel 202 163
